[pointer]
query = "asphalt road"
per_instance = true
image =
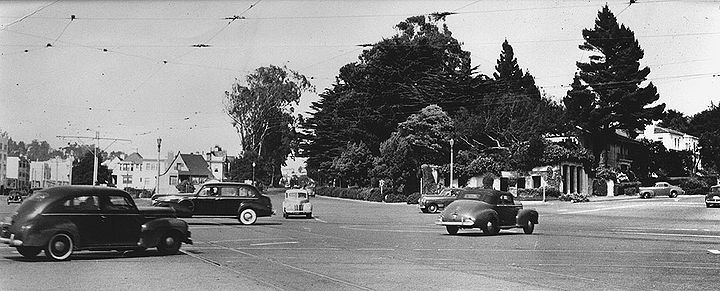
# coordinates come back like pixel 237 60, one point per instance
pixel 654 244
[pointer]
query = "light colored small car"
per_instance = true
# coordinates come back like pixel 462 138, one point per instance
pixel 661 189
pixel 297 202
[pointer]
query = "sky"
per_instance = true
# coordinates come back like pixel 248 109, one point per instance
pixel 128 70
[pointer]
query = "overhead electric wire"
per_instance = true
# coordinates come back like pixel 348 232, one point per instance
pixel 4 27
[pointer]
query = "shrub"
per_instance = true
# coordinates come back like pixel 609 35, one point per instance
pixel 537 193
pixel 694 186
pixel 627 188
pixel 599 187
pixel 413 198
pixel 574 197
pixel 395 198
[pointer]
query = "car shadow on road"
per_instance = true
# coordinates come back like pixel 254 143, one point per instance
pixel 94 255
pixel 479 233
pixel 232 223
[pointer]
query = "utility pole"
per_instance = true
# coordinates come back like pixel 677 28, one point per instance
pixel 97 139
pixel 157 179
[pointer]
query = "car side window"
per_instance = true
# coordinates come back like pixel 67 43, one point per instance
pixel 118 203
pixel 229 191
pixel 246 192
pixel 208 191
pixel 506 199
pixel 77 204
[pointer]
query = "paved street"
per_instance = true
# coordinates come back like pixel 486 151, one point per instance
pixel 654 244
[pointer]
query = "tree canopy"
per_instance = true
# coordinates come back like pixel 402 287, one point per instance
pixel 606 93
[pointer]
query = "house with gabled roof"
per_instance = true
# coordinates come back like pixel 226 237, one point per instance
pixel 184 167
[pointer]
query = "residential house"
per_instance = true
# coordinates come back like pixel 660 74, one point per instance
pixel 4 138
pixel 673 140
pixel 134 171
pixel 18 173
pixel 184 167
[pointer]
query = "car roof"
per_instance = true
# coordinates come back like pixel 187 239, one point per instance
pixel 225 183
pixel 72 190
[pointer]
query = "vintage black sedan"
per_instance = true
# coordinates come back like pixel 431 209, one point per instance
pixel 64 219
pixel 487 209
pixel 239 200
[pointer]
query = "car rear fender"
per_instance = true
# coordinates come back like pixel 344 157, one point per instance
pixel 485 215
pixel 41 238
pixel 527 214
pixel 152 230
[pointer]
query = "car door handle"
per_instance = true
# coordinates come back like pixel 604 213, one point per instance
pixel 103 217
pixel 218 198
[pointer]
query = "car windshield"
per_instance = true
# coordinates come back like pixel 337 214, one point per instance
pixel 715 190
pixel 300 195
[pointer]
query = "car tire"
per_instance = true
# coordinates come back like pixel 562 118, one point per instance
pixel 29 252
pixel 673 194
pixel 432 208
pixel 529 227
pixel 452 229
pixel 309 215
pixel 59 247
pixel 707 205
pixel 169 243
pixel 285 215
pixel 247 216
pixel 491 227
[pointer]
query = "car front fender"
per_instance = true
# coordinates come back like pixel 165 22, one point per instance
pixel 527 214
pixel 152 230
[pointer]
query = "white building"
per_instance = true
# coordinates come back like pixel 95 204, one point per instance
pixel 3 160
pixel 218 162
pixel 18 173
pixel 40 175
pixel 673 140
pixel 134 171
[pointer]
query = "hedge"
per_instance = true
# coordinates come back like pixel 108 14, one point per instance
pixel 367 194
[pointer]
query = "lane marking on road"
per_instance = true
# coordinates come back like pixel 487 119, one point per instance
pixel 275 243
pixel 714 252
pixel 241 274
pixel 247 239
pixel 674 234
pixel 603 209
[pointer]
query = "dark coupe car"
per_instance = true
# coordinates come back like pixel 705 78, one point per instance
pixel 243 201
pixel 712 198
pixel 487 209
pixel 63 219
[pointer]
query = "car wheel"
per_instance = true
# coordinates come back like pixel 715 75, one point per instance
pixel 452 229
pixel 529 227
pixel 432 208
pixel 29 252
pixel 169 243
pixel 491 227
pixel 285 215
pixel 60 247
pixel 673 194
pixel 309 215
pixel 247 216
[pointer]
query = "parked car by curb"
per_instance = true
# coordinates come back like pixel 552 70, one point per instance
pixel 712 198
pixel 660 189
pixel 15 196
pixel 431 203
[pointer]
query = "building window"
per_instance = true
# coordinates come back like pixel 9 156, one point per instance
pixel 127 179
pixel 536 181
pixel 173 180
pixel 178 166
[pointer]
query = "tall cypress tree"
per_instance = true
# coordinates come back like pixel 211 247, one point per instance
pixel 606 94
pixel 510 78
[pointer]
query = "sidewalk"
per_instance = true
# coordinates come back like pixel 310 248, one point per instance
pixel 592 199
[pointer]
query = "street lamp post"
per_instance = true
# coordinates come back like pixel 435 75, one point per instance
pixel 157 179
pixel 253 174
pixel 452 142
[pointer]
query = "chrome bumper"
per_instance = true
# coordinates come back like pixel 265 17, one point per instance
pixel 458 223
pixel 11 241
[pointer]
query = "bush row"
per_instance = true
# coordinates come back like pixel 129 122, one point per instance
pixel 528 194
pixel 367 194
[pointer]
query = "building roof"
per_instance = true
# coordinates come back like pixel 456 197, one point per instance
pixel 666 130
pixel 134 158
pixel 196 164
